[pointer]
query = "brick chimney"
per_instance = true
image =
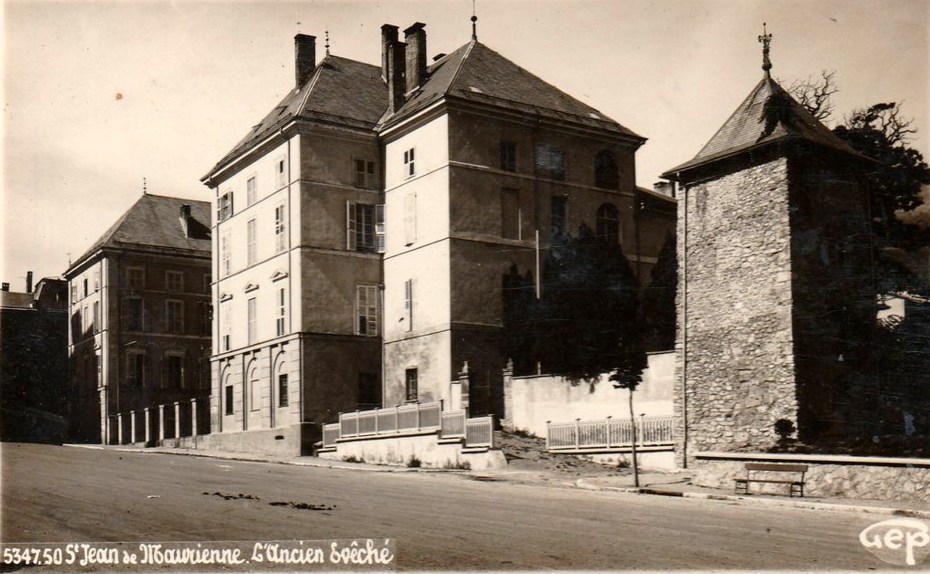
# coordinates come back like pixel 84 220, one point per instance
pixel 28 281
pixel 415 37
pixel 395 77
pixel 304 58
pixel 388 37
pixel 185 217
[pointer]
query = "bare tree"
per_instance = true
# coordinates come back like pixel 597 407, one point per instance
pixel 815 95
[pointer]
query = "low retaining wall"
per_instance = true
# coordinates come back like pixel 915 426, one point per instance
pixel 662 458
pixel 426 447
pixel 905 479
pixel 295 440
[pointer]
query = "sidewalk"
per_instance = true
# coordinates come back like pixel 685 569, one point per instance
pixel 673 484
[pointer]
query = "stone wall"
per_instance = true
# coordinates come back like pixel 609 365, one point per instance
pixel 425 448
pixel 828 476
pixel 734 307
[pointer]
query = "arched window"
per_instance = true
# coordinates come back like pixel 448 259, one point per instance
pixel 608 223
pixel 281 378
pixel 605 170
pixel 255 400
pixel 228 398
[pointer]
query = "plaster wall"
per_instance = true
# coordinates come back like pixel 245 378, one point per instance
pixel 426 448
pixel 537 400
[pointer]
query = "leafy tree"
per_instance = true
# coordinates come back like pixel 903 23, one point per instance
pixel 880 132
pixel 659 314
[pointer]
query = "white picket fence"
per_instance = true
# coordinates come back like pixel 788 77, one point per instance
pixel 609 433
pixel 411 418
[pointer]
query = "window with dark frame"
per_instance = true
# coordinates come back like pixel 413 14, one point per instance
pixel 282 390
pixel 174 371
pixel 364 173
pixel 369 390
pixel 508 156
pixel 606 173
pixel 250 191
pixel 174 280
pixel 136 369
pixel 608 223
pixel 557 205
pixel 229 400
pixel 409 163
pixel 366 310
pixel 411 384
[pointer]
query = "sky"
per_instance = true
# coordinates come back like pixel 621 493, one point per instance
pixel 99 95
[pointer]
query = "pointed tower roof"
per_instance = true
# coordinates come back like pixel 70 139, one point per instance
pixel 768 116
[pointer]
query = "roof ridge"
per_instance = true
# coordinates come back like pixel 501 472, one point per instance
pixel 458 70
pixel 739 109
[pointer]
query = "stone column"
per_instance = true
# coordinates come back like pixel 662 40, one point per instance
pixel 148 426
pixel 193 417
pixel 161 422
pixel 177 419
pixel 119 428
pixel 463 386
pixel 507 420
pixel 132 427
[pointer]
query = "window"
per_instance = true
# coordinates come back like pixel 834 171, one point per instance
pixel 510 214
pixel 74 293
pixel 280 327
pixel 135 311
pixel 251 329
pixel 250 238
pixel 135 277
pixel 206 317
pixel 408 305
pixel 364 227
pixel 174 371
pixel 280 239
pixel 369 391
pixel 508 156
pixel 366 310
pixel 557 216
pixel 550 162
pixel 225 318
pixel 409 164
pixel 85 317
pixel 250 191
pixel 229 400
pixel 174 280
pixel 364 173
pixel 410 218
pixel 282 390
pixel 605 170
pixel 97 280
pixel 224 207
pixel 411 379
pixel 85 286
pixel 96 318
pixel 174 316
pixel 225 255
pixel 206 282
pixel 608 223
pixel 135 368
pixel 280 177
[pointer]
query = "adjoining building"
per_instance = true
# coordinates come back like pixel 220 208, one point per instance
pixel 377 210
pixel 140 315
pixel 775 289
pixel 34 361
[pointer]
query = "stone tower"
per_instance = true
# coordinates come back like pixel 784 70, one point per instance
pixel 775 280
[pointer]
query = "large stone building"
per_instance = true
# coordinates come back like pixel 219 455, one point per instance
pixel 377 210
pixel 34 361
pixel 139 331
pixel 774 283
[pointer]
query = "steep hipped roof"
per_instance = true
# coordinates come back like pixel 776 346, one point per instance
pixel 769 114
pixel 340 90
pixel 153 222
pixel 477 73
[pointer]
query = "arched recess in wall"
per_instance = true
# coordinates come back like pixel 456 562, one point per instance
pixel 226 391
pixel 608 223
pixel 606 172
pixel 252 381
pixel 280 379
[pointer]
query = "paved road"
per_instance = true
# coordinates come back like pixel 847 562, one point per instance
pixel 440 521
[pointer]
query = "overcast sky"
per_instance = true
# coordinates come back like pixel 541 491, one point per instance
pixel 98 95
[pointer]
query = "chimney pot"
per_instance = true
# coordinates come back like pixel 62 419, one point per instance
pixel 28 281
pixel 5 287
pixel 304 58
pixel 415 38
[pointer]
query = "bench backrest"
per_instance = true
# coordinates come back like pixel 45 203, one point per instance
pixel 769 467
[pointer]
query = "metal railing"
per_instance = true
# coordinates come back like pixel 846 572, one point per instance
pixel 391 420
pixel 609 433
pixel 477 432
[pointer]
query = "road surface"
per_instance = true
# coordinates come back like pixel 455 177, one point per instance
pixel 439 520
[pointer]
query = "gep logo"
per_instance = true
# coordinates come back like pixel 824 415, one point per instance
pixel 899 541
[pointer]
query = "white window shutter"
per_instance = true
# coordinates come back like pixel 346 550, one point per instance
pixel 350 225
pixel 379 229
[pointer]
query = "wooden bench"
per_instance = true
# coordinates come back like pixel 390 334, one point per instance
pixel 754 469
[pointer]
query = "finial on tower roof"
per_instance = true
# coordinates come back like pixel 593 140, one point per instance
pixel 474 22
pixel 766 39
pixel 327 42
pixel 144 187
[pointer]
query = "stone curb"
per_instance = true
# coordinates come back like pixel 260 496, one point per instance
pixel 245 458
pixel 580 483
